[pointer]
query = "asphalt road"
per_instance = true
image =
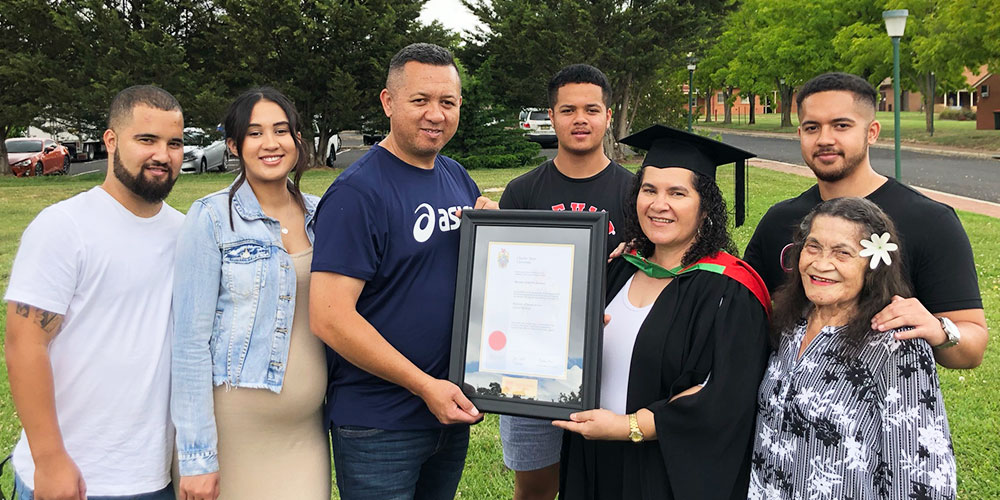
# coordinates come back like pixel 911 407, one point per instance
pixel 77 168
pixel 965 176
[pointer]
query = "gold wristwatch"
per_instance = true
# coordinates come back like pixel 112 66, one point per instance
pixel 635 433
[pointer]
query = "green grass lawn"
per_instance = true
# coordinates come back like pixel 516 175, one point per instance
pixel 971 396
pixel 949 133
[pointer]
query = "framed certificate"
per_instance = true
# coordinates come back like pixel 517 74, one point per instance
pixel 529 311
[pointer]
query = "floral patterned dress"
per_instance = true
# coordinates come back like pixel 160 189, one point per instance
pixel 868 425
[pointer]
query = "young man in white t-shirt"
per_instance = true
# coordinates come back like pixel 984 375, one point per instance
pixel 88 320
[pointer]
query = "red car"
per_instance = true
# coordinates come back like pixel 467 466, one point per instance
pixel 33 156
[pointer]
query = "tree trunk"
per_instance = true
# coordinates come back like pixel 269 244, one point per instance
pixel 311 151
pixel 620 122
pixel 753 109
pixel 612 149
pixel 319 158
pixel 633 108
pixel 708 106
pixel 4 165
pixel 928 99
pixel 727 116
pixel 786 105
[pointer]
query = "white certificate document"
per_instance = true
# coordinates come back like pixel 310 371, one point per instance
pixel 526 309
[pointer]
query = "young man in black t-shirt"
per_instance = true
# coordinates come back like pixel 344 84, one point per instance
pixel 580 178
pixel 837 125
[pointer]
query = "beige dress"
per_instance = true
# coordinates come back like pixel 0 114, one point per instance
pixel 275 445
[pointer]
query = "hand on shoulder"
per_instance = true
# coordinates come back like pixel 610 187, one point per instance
pixel 909 312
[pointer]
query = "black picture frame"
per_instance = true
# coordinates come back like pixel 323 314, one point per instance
pixel 587 233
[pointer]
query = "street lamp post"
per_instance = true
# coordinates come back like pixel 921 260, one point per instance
pixel 932 86
pixel 691 67
pixel 895 25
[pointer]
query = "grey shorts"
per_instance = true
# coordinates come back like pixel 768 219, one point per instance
pixel 529 443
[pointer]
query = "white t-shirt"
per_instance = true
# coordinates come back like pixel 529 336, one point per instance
pixel 619 340
pixel 111 274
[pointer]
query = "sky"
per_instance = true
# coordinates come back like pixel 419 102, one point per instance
pixel 451 13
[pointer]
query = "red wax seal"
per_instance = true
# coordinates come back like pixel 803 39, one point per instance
pixel 497 340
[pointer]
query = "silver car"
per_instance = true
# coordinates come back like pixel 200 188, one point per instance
pixel 201 153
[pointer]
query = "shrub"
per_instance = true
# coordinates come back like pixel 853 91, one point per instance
pixel 961 114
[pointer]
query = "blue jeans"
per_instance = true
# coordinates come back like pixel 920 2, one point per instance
pixel 22 492
pixel 380 464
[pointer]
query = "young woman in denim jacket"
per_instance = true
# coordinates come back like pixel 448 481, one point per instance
pixel 248 376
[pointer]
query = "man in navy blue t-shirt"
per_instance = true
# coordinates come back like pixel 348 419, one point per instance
pixel 383 291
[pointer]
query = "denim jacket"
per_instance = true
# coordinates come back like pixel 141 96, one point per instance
pixel 233 303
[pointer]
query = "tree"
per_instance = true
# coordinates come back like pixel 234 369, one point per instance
pixel 64 60
pixel 931 56
pixel 975 26
pixel 488 135
pixel 33 49
pixel 329 56
pixel 743 62
pixel 69 58
pixel 526 41
pixel 664 102
pixel 786 42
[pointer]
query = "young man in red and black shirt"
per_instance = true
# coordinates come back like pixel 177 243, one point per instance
pixel 580 178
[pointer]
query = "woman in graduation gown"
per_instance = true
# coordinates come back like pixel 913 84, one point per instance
pixel 685 345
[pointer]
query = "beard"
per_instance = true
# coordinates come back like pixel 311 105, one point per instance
pixel 149 191
pixel 849 165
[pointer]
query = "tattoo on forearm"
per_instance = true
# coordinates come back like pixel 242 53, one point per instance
pixel 21 309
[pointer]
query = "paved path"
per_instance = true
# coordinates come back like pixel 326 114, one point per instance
pixel 972 177
pixel 957 202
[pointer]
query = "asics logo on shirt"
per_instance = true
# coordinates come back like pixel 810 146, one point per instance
pixel 579 207
pixel 428 217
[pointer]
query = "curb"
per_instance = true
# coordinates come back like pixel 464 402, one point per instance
pixel 906 147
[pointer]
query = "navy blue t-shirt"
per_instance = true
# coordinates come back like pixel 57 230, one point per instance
pixel 393 225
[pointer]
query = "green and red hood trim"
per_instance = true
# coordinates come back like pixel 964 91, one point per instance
pixel 720 263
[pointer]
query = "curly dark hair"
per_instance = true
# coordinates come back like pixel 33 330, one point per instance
pixel 790 302
pixel 713 235
pixel 579 73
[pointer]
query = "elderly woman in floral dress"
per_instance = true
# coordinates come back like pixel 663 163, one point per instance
pixel 846 411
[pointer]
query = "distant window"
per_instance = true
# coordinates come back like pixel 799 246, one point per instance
pixel 984 91
pixel 719 98
pixel 744 100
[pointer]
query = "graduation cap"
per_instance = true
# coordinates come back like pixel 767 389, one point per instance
pixel 669 147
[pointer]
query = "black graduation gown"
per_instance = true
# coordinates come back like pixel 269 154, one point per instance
pixel 702 323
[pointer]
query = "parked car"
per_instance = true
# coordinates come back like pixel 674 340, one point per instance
pixel 373 130
pixel 332 148
pixel 85 150
pixel 37 157
pixel 537 127
pixel 201 153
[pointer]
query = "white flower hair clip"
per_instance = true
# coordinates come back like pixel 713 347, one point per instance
pixel 878 248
